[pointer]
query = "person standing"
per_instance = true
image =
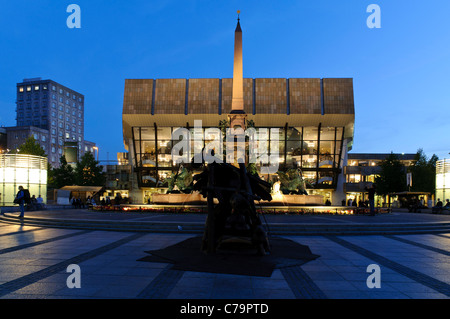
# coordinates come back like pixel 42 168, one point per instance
pixel 20 198
pixel 371 190
pixel 40 202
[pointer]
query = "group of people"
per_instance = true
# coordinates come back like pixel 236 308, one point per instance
pixel 370 202
pixel 23 198
pixel 440 206
pixel 77 202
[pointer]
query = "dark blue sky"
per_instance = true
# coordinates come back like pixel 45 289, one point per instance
pixel 400 71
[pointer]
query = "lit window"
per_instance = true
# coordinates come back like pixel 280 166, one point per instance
pixel 28 88
pixel 21 89
pixel 44 86
pixel 67 135
pixel 36 87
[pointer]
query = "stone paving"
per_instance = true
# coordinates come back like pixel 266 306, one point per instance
pixel 34 261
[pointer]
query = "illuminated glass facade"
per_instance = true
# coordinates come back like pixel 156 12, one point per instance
pixel 16 170
pixel 316 150
pixel 443 180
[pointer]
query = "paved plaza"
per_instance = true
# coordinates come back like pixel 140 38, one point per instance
pixel 34 264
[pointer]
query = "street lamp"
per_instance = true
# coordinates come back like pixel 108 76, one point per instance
pixel 96 149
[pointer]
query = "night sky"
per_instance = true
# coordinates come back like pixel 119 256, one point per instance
pixel 400 71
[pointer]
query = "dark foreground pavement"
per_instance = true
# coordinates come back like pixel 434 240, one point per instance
pixel 37 262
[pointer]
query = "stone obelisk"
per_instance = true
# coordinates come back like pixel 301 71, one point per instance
pixel 237 115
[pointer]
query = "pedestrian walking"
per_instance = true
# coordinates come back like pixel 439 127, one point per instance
pixel 20 199
pixel 371 190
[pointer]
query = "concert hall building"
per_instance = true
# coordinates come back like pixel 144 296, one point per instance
pixel 315 118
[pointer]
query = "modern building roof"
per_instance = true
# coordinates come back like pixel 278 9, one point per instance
pixel 379 156
pixel 269 102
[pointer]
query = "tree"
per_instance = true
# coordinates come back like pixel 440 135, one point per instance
pixel 63 175
pixel 88 172
pixel 392 177
pixel 32 147
pixel 423 172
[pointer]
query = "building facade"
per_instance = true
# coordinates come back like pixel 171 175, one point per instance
pixel 53 113
pixel 443 180
pixel 362 169
pixel 314 118
pixel 28 171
